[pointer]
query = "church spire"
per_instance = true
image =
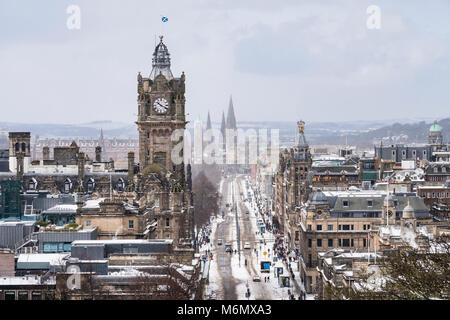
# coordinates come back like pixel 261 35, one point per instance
pixel 161 61
pixel 231 119
pixel 208 122
pixel 222 125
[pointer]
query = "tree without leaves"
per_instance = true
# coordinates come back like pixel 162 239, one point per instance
pixel 206 199
pixel 408 274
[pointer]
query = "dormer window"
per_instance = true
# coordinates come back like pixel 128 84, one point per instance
pixel 345 203
pixel 67 186
pixel 120 185
pixel 90 186
pixel 369 203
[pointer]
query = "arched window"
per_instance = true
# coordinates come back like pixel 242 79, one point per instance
pixel 67 185
pixel 90 185
pixel 16 147
pixel 23 146
pixel 32 184
pixel 120 185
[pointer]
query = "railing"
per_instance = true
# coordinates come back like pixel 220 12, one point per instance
pixel 22 242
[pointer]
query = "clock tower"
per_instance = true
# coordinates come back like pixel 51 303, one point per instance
pixel 160 111
pixel 164 192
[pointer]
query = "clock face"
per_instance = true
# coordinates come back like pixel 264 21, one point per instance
pixel 160 105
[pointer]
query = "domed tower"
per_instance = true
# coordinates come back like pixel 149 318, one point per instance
pixel 318 205
pixel 408 217
pixel 388 211
pixel 435 136
pixel 161 111
pixel 301 165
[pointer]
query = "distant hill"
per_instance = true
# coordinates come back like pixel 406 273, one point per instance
pixel 395 133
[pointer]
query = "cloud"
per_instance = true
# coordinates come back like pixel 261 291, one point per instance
pixel 280 60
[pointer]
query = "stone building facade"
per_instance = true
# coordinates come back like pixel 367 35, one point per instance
pixel 164 191
pixel 344 220
pixel 291 185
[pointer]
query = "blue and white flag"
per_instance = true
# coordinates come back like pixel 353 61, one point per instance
pixel 164 19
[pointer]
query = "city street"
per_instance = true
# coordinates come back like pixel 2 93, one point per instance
pixel 231 275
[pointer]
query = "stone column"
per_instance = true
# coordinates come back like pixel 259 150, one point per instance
pixel 81 160
pixel 20 166
pixel 130 171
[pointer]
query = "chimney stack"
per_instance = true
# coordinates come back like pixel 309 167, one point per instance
pixel 130 167
pixel 98 154
pixel 46 153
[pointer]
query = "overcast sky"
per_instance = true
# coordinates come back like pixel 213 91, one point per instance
pixel 281 60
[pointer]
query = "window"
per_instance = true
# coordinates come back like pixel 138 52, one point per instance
pixel 23 295
pixel 90 186
pixel 435 170
pixel 444 169
pixel 130 224
pixel 330 227
pixel 370 203
pixel 50 247
pixel 88 223
pixel 339 242
pixel 403 154
pixel 309 243
pixel 319 243
pixel 36 295
pixel 319 227
pixel 428 195
pixel 309 227
pixel 365 243
pixel 167 222
pixel 340 227
pixel 345 227
pixel 345 203
pixel 330 243
pixel 10 295
pixel 433 195
pixel 120 185
pixel 352 244
pixel 297 236
pixel 346 243
pixel 67 186
pixel 352 226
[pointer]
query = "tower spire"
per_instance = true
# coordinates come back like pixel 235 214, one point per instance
pixel 231 119
pixel 208 122
pixel 161 61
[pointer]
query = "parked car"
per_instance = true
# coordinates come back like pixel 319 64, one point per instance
pixel 247 245
pixel 219 242
pixel 228 249
pixel 256 278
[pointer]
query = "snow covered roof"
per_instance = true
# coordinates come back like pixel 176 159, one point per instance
pixel 93 204
pixel 25 280
pixel 119 241
pixel 40 260
pixel 62 208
